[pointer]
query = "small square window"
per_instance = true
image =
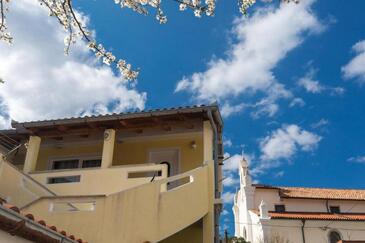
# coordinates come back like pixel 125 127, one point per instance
pixel 63 179
pixel 280 208
pixel 335 209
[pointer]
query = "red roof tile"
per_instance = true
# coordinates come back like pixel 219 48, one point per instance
pixel 318 193
pixel 316 216
pixel 31 217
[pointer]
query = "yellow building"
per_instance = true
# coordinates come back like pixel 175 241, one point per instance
pixel 152 176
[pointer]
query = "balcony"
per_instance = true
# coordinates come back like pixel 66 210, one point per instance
pixel 99 181
pixel 140 214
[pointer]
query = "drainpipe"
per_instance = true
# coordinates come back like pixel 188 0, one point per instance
pixel 215 159
pixel 303 235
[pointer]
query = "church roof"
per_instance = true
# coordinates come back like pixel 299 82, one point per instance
pixel 317 193
pixel 315 216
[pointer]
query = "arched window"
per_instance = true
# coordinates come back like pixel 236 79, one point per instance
pixel 244 233
pixel 334 237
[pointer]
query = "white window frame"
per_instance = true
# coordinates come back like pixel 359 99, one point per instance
pixel 80 158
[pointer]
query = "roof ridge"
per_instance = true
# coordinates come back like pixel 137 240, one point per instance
pixel 303 187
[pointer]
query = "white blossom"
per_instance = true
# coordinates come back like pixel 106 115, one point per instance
pixel 63 11
pixel 197 13
pixel 182 6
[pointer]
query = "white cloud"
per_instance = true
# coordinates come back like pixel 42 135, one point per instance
pixel 227 142
pixel 297 102
pixel 263 41
pixel 232 164
pixel 322 122
pixel 227 109
pixel 284 142
pixel 230 181
pixel 225 212
pixel 41 82
pixel 358 159
pixel 230 170
pixel 311 85
pixel 279 174
pixel 267 106
pixel 356 67
pixel 227 197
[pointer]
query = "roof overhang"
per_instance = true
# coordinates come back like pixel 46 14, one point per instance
pixel 130 120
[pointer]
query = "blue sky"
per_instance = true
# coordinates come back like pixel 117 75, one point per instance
pixel 290 80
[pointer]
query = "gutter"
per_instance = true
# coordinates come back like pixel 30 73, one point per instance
pixel 215 159
pixel 215 152
pixel 31 225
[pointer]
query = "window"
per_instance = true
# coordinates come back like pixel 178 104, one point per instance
pixel 72 206
pixel 63 179
pixel 90 163
pixel 280 208
pixel 75 163
pixel 65 164
pixel 334 237
pixel 335 209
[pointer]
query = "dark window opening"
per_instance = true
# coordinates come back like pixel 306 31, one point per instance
pixel 280 208
pixel 335 209
pixel 65 164
pixel 63 179
pixel 90 163
pixel 76 163
pixel 334 237
pixel 143 174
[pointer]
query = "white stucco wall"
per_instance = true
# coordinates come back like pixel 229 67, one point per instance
pixel 271 197
pixel 315 231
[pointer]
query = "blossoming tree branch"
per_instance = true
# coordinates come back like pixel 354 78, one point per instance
pixel 74 27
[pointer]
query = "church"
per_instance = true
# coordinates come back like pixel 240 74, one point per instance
pixel 275 214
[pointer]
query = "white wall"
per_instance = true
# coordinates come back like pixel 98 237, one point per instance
pixel 271 197
pixel 315 231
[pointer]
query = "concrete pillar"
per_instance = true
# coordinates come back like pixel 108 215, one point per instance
pixel 31 157
pixel 108 148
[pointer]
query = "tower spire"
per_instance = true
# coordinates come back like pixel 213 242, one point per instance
pixel 244 172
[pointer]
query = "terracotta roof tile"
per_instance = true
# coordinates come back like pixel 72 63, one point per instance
pixel 40 221
pixel 318 193
pixel 322 193
pixel 316 216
